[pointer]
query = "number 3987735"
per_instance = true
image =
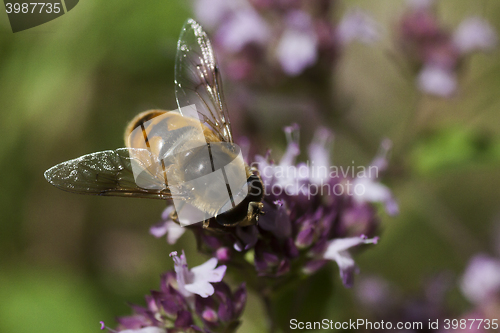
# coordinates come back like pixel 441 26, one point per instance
pixel 33 7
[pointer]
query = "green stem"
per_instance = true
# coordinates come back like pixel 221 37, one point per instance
pixel 271 313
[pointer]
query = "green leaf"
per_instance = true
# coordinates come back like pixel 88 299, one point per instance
pixel 454 148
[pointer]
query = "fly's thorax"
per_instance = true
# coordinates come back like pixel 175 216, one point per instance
pixel 214 175
pixel 242 214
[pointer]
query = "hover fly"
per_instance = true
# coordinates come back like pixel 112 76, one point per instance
pixel 186 156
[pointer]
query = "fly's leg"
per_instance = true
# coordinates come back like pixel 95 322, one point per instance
pixel 254 211
pixel 174 217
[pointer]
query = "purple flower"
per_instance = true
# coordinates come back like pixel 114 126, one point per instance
pixel 224 308
pixel 223 254
pixel 167 227
pixel 474 34
pixel 211 12
pixel 436 80
pixel 481 280
pixel 243 27
pixel 311 223
pixel 357 219
pixel 185 297
pixel 434 52
pixel 297 47
pixel 259 39
pixel 357 25
pixel 368 189
pixel 165 308
pixel 319 152
pixel 375 293
pixel 197 280
pixel 285 175
pixel 337 250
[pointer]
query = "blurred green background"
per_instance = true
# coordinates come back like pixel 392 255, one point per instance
pixel 70 86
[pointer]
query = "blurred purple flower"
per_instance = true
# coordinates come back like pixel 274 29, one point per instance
pixel 436 80
pixel 167 227
pixel 475 34
pixel 320 154
pixel 357 25
pixel 481 280
pixel 419 30
pixel 211 12
pixel 375 293
pixel 223 254
pixel 297 47
pixel 261 38
pixel 243 27
pixel 436 53
pixel 357 219
pixel 373 190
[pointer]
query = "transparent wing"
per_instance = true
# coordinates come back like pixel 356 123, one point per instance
pixel 111 173
pixel 198 82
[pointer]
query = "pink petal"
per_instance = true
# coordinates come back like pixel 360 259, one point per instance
pixel 242 28
pixel 145 330
pixel 343 244
pixel 216 275
pixel 296 51
pixel 358 25
pixel 165 215
pixel 202 288
pixel 159 229
pixel 481 280
pixel 175 231
pixel 208 266
pixel 437 81
pixel 475 34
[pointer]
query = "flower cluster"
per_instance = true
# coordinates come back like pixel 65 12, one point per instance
pixel 437 53
pixel 188 302
pixel 259 40
pixel 312 215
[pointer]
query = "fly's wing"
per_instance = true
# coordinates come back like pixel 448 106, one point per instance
pixel 198 82
pixel 123 172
